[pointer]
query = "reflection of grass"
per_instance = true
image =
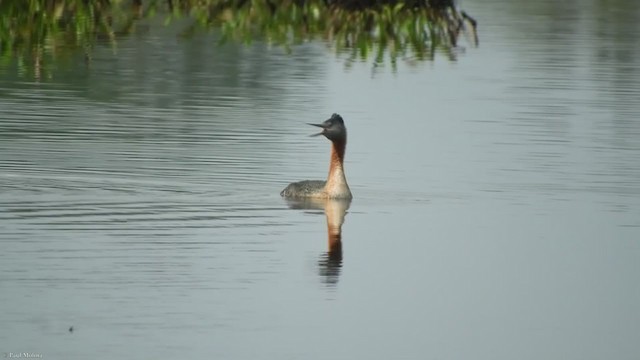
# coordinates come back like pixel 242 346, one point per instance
pixel 33 31
pixel 397 29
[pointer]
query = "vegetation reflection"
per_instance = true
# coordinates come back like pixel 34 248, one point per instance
pixel 384 29
pixel 34 31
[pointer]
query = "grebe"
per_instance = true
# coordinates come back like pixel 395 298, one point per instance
pixel 335 187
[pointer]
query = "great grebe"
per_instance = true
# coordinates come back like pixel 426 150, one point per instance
pixel 335 187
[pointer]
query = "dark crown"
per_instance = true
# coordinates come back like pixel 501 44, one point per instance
pixel 337 118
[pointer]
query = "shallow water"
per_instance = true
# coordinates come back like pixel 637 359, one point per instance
pixel 496 210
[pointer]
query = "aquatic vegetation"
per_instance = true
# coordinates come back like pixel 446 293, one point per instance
pixel 360 29
pixel 32 31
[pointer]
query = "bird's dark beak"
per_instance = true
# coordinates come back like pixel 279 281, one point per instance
pixel 323 126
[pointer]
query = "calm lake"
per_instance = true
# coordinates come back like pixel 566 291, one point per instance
pixel 496 210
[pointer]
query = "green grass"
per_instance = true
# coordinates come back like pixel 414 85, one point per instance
pixel 37 32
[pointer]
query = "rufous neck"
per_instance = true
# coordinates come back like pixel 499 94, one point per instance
pixel 337 154
pixel 336 186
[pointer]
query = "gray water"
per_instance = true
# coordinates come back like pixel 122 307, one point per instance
pixel 496 210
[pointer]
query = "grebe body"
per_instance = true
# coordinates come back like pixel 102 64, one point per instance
pixel 335 187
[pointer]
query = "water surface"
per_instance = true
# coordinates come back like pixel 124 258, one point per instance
pixel 496 210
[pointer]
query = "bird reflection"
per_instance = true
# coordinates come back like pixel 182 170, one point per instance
pixel 330 263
